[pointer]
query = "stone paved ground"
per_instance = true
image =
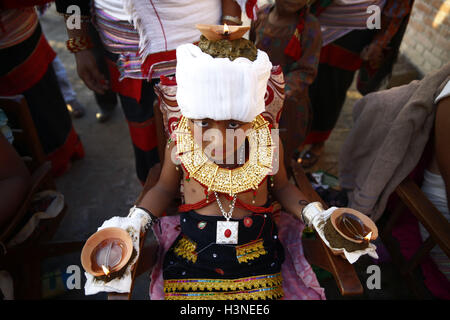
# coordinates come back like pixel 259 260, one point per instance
pixel 104 183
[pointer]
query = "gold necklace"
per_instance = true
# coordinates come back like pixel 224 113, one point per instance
pixel 231 181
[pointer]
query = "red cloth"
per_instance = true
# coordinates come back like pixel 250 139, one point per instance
pixel 294 47
pixel 127 87
pixel 71 149
pixel 143 134
pixel 152 59
pixel 239 203
pixel 249 5
pixel 316 137
pixel 15 4
pixel 339 57
pixel 26 75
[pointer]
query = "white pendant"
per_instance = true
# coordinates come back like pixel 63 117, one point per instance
pixel 227 232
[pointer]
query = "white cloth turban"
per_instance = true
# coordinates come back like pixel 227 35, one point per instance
pixel 218 88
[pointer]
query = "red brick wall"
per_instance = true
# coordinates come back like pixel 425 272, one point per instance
pixel 427 38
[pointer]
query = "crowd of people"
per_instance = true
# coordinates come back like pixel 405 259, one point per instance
pixel 123 47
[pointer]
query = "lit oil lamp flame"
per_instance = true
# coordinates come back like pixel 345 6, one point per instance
pixel 226 30
pixel 105 270
pixel 368 236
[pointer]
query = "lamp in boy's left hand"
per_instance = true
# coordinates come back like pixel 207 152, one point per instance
pixel 354 225
pixel 368 236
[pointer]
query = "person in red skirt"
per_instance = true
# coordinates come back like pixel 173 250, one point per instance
pixel 27 69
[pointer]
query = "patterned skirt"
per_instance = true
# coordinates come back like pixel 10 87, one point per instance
pixel 196 268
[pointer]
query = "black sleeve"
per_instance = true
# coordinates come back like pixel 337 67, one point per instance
pixel 84 5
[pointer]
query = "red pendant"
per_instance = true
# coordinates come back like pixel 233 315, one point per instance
pixel 227 232
pixel 248 222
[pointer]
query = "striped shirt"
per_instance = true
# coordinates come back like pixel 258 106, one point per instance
pixel 343 16
pixel 16 25
pixel 120 37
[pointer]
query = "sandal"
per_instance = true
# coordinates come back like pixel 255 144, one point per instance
pixel 76 108
pixel 308 160
pixel 103 116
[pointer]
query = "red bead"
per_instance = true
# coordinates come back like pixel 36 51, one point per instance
pixel 220 271
pixel 248 222
pixel 227 233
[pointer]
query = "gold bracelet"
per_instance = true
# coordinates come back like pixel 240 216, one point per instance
pixel 78 44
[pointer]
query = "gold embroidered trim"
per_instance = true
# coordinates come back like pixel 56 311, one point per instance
pixel 258 294
pixel 186 248
pixel 222 180
pixel 255 282
pixel 250 251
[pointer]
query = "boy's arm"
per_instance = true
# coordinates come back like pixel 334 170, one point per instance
pixel 231 9
pixel 158 198
pixel 289 196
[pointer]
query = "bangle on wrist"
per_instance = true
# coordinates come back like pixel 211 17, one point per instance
pixel 152 218
pixel 311 212
pixel 78 44
pixel 303 203
pixel 233 19
pixel 83 18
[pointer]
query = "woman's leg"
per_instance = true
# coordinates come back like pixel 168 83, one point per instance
pixel 106 102
pixel 139 116
pixel 69 95
pixel 327 93
pixel 53 123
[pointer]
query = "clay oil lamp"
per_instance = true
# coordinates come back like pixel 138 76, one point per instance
pixel 353 225
pixel 219 32
pixel 106 251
